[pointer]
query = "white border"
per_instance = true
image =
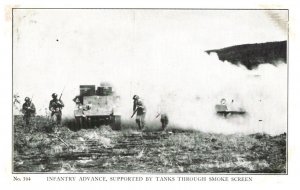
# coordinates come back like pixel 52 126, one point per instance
pixel 261 181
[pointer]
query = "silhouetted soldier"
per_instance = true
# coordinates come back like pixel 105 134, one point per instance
pixel 164 120
pixel 78 100
pixel 55 106
pixel 140 110
pixel 28 110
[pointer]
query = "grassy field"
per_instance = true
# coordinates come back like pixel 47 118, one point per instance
pixel 38 149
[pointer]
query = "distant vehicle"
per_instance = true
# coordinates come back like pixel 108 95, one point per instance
pixel 97 107
pixel 225 110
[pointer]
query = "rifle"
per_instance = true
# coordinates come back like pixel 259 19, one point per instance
pixel 60 102
pixel 158 114
pixel 133 113
pixel 62 93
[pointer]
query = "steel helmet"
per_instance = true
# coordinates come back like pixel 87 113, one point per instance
pixel 135 97
pixel 27 99
pixel 223 101
pixel 54 95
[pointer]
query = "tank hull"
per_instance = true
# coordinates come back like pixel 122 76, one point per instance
pixel 97 108
pixel 223 111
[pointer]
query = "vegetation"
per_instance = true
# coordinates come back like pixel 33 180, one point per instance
pixel 37 148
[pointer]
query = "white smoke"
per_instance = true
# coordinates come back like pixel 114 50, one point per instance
pixel 158 55
pixel 188 92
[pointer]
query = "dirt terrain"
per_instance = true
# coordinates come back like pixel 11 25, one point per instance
pixel 101 150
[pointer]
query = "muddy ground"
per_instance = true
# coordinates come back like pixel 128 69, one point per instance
pixel 37 148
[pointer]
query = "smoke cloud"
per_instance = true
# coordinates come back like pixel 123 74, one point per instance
pixel 188 90
pixel 158 55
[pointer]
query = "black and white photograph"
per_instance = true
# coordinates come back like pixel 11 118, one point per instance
pixel 150 91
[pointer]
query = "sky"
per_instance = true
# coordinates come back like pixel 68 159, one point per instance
pixel 158 54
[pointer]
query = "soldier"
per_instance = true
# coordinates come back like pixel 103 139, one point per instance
pixel 16 99
pixel 162 112
pixel 28 110
pixel 164 119
pixel 140 110
pixel 78 100
pixel 55 106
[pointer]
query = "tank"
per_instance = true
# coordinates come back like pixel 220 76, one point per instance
pixel 228 110
pixel 97 107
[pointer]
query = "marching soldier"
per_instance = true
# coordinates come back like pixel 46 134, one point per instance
pixel 55 106
pixel 140 110
pixel 28 110
pixel 162 112
pixel 163 119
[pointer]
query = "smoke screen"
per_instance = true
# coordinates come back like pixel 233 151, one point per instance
pixel 158 55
